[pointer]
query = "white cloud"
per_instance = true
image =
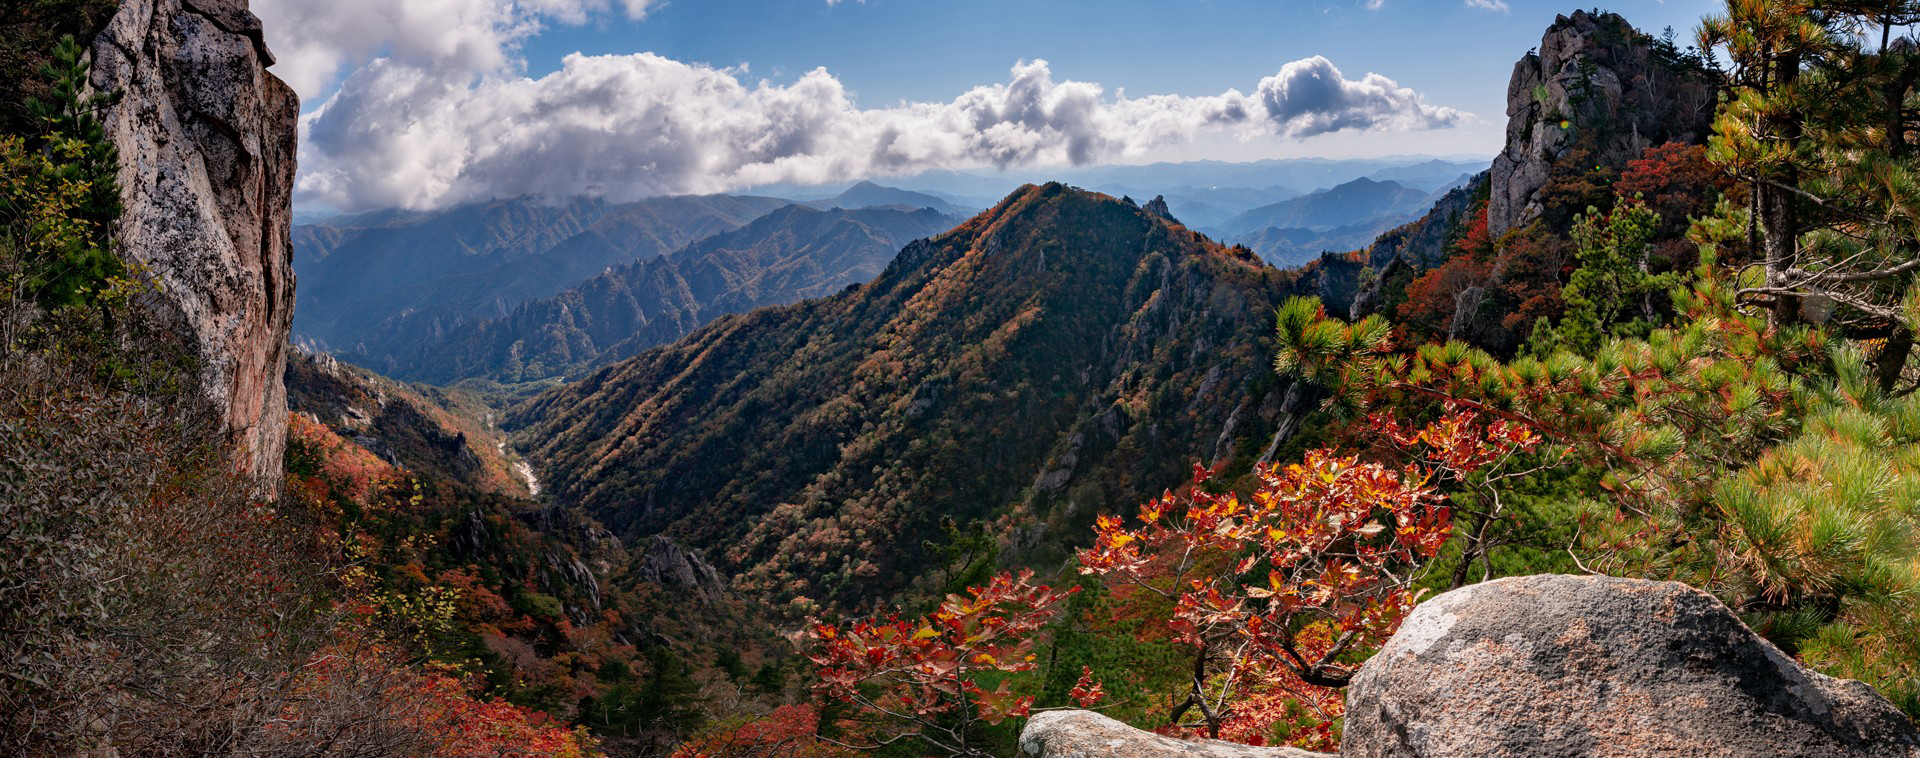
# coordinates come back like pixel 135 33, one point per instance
pixel 1491 5
pixel 632 126
pixel 315 40
pixel 436 112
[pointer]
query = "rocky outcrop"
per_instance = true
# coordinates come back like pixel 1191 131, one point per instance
pixel 1595 81
pixel 1158 207
pixel 1085 734
pixel 206 139
pixel 1418 246
pixel 1570 666
pixel 668 564
pixel 1567 667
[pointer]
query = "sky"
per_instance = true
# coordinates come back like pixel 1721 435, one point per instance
pixel 429 103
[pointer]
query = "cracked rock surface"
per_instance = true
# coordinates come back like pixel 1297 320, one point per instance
pixel 1568 666
pixel 206 139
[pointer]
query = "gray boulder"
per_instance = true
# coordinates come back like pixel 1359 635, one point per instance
pixel 1085 734
pixel 1568 666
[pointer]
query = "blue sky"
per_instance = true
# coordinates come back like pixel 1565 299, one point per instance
pixel 888 50
pixel 425 103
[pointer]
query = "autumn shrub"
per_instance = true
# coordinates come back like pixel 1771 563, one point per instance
pixel 937 680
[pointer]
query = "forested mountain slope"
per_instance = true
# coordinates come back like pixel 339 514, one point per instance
pixel 1059 354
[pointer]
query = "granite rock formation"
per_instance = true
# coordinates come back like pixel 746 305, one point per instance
pixel 1594 80
pixel 1563 667
pixel 206 139
pixel 1085 734
pixel 1573 666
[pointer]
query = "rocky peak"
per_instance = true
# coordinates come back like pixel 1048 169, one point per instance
pixel 1598 82
pixel 206 139
pixel 1158 207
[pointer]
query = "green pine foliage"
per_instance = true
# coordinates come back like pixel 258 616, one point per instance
pixel 1614 288
pixel 61 196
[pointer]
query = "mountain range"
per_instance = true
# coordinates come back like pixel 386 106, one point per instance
pixel 356 272
pixel 1062 354
pixel 526 289
pixel 790 254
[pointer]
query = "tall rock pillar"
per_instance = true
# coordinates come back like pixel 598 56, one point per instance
pixel 207 139
pixel 1596 82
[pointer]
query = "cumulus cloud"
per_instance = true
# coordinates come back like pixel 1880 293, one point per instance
pixel 633 126
pixel 315 40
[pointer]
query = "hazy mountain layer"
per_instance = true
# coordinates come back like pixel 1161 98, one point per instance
pixel 788 255
pixel 356 272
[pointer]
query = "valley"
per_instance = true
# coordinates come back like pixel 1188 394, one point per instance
pixel 558 379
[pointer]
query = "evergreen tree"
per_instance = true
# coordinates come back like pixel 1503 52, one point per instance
pixel 77 163
pixel 1817 123
pixel 1614 283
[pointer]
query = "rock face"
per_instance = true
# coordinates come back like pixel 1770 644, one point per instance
pixel 1420 245
pixel 668 564
pixel 1569 666
pixel 1085 734
pixel 1598 82
pixel 206 139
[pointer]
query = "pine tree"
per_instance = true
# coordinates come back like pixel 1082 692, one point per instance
pixel 1614 282
pixel 1817 124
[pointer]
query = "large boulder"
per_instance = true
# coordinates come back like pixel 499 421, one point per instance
pixel 1085 734
pixel 1568 666
pixel 1598 81
pixel 206 139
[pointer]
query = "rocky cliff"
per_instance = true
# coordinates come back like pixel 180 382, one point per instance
pixel 1417 246
pixel 1595 83
pixel 206 139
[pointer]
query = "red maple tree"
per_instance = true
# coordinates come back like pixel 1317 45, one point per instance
pixel 936 679
pixel 1283 593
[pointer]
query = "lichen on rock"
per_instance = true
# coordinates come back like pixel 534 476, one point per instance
pixel 206 138
pixel 1570 666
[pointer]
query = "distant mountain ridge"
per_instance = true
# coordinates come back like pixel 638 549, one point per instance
pixel 1357 201
pixel 870 195
pixel 479 260
pixel 790 254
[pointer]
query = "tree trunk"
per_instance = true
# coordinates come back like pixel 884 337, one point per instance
pixel 1778 217
pixel 1893 357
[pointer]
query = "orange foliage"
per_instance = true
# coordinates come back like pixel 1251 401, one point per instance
pixel 415 711
pixel 347 468
pixel 787 732
pixel 1282 593
pixel 927 670
pixel 1433 297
